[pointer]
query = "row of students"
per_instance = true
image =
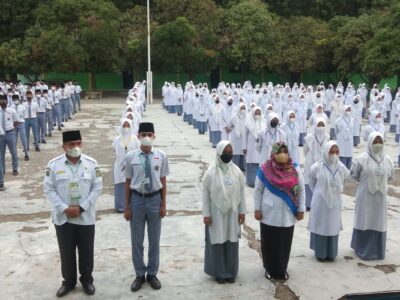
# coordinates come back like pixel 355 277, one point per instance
pixel 33 108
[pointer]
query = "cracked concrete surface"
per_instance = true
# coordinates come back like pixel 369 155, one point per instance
pixel 29 260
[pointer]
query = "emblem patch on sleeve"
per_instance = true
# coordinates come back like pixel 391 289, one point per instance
pixel 98 173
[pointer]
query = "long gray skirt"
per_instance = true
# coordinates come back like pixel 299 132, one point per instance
pixel 240 161
pixel 333 134
pixel 221 260
pixel 251 170
pixel 356 140
pixel 324 246
pixel 119 196
pixel 369 244
pixel 215 137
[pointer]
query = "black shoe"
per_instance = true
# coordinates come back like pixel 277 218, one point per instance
pixel 59 129
pixel 137 283
pixel 330 259
pixel 26 157
pixel 37 149
pixel 154 282
pixel 44 142
pixel 321 259
pixel 15 172
pixel 89 289
pixel 62 125
pixel 46 135
pixel 231 280
pixel 220 280
pixel 50 135
pixel 2 189
pixel 63 290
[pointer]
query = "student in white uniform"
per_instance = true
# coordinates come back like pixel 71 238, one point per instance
pixel 20 128
pixel 327 178
pixel 271 135
pixel 31 121
pixel 227 113
pixel 313 150
pixel 344 128
pixel 125 141
pixel 291 129
pixel 238 127
pixel 224 208
pixel 356 113
pixel 215 123
pixel 372 169
pixel 301 119
pixel 254 125
pixel 336 112
pixel 375 125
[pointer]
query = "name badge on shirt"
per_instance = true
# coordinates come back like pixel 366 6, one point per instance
pixel 228 181
pixel 74 193
pixel 379 171
pixel 334 183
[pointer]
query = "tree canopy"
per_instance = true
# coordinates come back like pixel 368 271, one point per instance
pixel 192 36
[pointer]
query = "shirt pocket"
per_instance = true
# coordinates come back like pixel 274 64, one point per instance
pixel 61 181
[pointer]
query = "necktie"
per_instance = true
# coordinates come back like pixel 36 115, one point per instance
pixel 29 112
pixel 147 170
pixel 3 120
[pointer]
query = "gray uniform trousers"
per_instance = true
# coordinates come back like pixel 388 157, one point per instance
pixel 145 210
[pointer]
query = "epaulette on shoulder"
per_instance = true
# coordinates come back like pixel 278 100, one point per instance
pixel 56 158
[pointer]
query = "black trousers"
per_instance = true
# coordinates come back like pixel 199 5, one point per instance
pixel 70 237
pixel 276 243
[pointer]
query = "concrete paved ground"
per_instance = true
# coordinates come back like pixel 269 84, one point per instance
pixel 29 260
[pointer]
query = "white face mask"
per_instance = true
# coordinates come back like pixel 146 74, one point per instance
pixel 74 152
pixel 378 120
pixel 16 102
pixel 257 117
pixel 348 113
pixel 126 130
pixel 320 130
pixel 333 158
pixel 146 141
pixel 292 120
pixel 377 148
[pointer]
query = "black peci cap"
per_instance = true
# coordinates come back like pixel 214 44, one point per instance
pixel 146 127
pixel 72 135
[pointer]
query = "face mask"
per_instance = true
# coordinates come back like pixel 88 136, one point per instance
pixel 292 120
pixel 226 157
pixel 348 113
pixel 74 152
pixel 16 102
pixel 216 101
pixel 355 102
pixel 45 95
pixel 146 141
pixel 333 158
pixel 229 103
pixel 274 123
pixel 282 158
pixel 377 148
pixel 378 120
pixel 257 117
pixel 126 130
pixel 320 130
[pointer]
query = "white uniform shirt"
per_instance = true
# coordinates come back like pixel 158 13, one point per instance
pixel 135 169
pixel 34 109
pixel 57 183
pixel 10 117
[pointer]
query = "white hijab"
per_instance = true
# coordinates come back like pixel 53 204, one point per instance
pixel 239 121
pixel 316 141
pixel 326 175
pixel 224 182
pixel 255 126
pixel 372 163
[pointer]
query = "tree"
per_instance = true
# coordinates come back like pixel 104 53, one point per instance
pixel 299 42
pixel 350 45
pixel 247 37
pixel 177 49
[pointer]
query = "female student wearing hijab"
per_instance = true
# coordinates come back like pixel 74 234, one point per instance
pixel 372 169
pixel 269 136
pixel 327 179
pixel 344 128
pixel 356 113
pixel 224 209
pixel 291 129
pixel 254 124
pixel 313 149
pixel 375 125
pixel 301 119
pixel 215 121
pixel 125 141
pixel 238 126
pixel 278 203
